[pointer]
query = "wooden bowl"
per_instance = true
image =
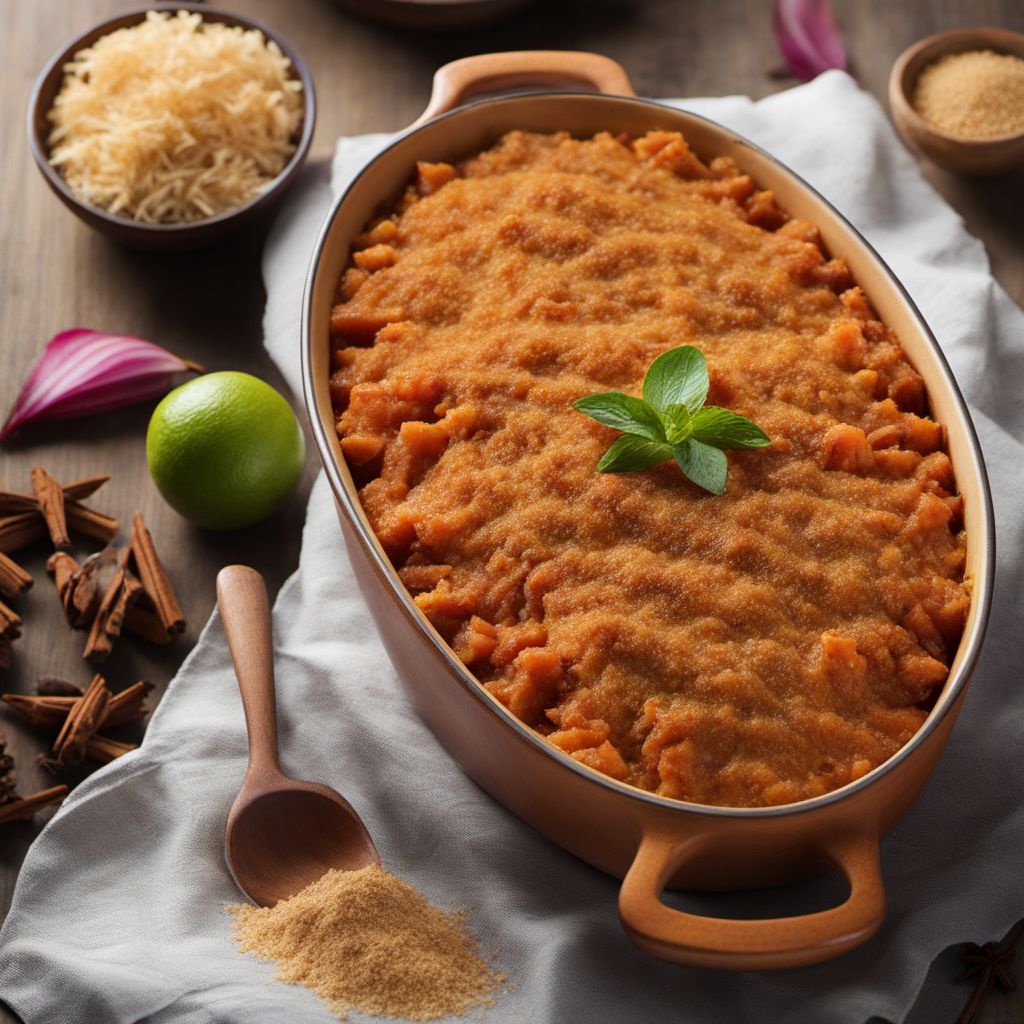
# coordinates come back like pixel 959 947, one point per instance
pixel 980 157
pixel 139 234
pixel 648 840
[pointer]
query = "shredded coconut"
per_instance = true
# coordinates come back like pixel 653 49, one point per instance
pixel 175 119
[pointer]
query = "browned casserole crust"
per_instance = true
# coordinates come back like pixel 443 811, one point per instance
pixel 760 647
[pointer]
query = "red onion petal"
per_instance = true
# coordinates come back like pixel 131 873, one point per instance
pixel 809 38
pixel 83 371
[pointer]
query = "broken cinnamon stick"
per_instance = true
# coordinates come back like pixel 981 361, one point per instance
pixel 50 496
pixel 99 587
pixel 13 579
pixel 153 577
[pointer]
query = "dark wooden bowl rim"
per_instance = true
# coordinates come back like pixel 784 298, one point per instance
pixel 49 81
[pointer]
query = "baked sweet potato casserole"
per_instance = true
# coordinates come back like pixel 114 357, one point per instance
pixel 755 648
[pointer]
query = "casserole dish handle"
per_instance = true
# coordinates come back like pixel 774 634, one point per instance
pixel 493 72
pixel 742 945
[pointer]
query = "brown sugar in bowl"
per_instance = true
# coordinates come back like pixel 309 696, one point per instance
pixel 979 157
pixel 651 841
pixel 163 237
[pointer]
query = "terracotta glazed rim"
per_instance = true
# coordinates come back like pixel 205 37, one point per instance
pixel 41 149
pixel 984 527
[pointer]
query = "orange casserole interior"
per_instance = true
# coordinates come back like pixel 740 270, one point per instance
pixel 757 648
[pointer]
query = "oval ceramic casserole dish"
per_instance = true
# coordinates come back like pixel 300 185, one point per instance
pixel 651 841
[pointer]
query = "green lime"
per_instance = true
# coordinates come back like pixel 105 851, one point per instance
pixel 224 449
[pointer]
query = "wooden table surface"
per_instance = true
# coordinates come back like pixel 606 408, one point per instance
pixel 207 306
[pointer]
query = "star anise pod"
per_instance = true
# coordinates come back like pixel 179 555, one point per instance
pixel 989 965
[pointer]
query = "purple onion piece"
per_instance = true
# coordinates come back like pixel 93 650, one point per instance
pixel 809 38
pixel 82 372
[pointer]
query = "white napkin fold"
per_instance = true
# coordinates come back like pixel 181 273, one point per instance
pixel 118 914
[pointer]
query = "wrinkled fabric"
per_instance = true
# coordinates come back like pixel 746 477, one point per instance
pixel 118 915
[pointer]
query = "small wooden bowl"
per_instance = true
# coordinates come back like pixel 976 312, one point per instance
pixel 983 156
pixel 160 237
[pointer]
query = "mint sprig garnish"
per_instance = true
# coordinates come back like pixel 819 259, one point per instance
pixel 672 422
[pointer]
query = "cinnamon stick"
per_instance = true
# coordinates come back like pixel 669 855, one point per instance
pixel 143 621
pixel 49 712
pixel 91 523
pixel 7 790
pixel 50 496
pixel 13 579
pixel 14 503
pixel 78 586
pixel 81 723
pixel 79 489
pixel 121 591
pixel 42 712
pixel 10 629
pixel 63 568
pixel 104 749
pixel 20 529
pixel 110 618
pixel 129 704
pixel 154 578
pixel 22 518
pixel 24 807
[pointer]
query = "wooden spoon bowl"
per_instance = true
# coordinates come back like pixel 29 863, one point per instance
pixel 282 833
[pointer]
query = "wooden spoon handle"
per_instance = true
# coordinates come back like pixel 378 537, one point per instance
pixel 245 611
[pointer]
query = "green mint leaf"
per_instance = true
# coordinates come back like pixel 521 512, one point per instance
pixel 677 377
pixel 623 412
pixel 631 452
pixel 678 425
pixel 723 429
pixel 705 466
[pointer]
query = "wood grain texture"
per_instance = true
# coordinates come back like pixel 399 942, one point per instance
pixel 207 306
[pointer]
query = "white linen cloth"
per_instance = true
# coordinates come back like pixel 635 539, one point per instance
pixel 118 915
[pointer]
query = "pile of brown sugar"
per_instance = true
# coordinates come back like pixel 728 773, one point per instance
pixel 977 94
pixel 365 940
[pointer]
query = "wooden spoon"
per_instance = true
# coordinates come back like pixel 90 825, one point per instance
pixel 282 834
